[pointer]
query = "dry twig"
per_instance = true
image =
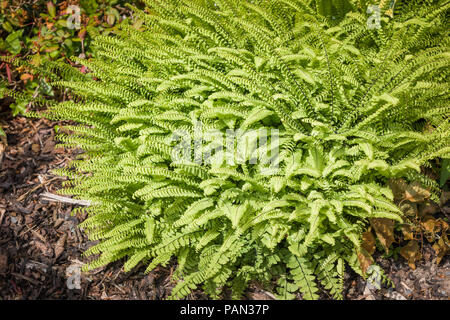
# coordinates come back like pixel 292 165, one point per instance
pixel 47 196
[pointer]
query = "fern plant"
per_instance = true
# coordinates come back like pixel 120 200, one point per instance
pixel 352 108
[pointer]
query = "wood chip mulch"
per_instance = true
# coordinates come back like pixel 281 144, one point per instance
pixel 41 246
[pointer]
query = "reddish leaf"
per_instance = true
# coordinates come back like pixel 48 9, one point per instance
pixel 8 73
pixel 82 34
pixel 51 9
pixel 26 76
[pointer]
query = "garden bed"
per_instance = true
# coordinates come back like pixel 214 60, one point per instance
pixel 40 242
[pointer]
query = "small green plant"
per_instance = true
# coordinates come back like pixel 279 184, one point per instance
pixel 40 31
pixel 351 108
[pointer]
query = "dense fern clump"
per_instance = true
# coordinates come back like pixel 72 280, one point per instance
pixel 348 108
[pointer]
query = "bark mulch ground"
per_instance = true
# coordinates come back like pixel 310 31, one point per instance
pixel 41 246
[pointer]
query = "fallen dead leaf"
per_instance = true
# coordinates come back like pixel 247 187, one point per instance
pixel 58 222
pixel 38 235
pixel 384 229
pixel 48 146
pixel 441 247
pixel 411 252
pixel 442 225
pixel 409 208
pixel 408 232
pixel 416 193
pixel 398 187
pixel 365 260
pixel 60 245
pixel 46 251
pixel 429 223
pixel 428 208
pixel 35 147
pixel 445 197
pixel 368 242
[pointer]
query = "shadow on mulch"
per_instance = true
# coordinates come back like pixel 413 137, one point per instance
pixel 41 246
